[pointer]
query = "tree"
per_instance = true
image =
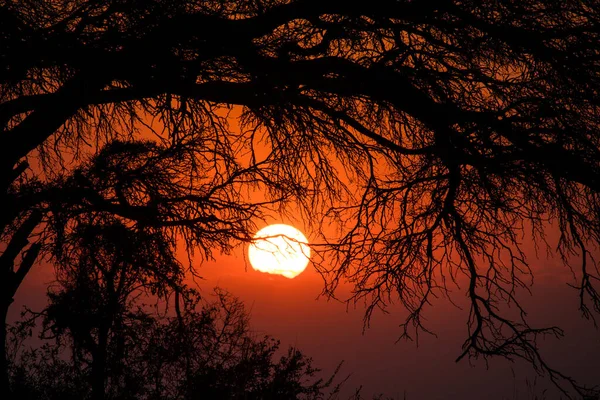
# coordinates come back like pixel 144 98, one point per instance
pixel 459 124
pixel 101 273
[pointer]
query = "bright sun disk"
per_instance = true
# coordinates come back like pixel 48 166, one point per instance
pixel 279 249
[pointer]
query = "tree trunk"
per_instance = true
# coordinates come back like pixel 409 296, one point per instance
pixel 5 391
pixel 11 280
pixel 99 366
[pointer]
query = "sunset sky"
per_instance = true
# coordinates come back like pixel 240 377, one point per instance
pixel 419 148
pixel 331 331
pixel 296 312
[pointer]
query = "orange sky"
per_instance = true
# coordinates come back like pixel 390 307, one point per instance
pixel 291 310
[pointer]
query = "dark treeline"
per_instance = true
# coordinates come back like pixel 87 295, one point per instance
pixel 103 339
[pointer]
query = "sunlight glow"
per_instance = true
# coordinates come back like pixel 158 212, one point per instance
pixel 279 249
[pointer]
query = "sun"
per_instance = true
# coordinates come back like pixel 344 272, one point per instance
pixel 279 249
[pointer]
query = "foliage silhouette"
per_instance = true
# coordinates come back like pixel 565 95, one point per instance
pixel 103 342
pixel 445 131
pixel 156 361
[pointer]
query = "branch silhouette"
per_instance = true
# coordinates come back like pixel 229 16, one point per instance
pixel 436 134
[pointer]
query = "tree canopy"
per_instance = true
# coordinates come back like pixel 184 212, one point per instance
pixel 435 134
pixel 104 339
